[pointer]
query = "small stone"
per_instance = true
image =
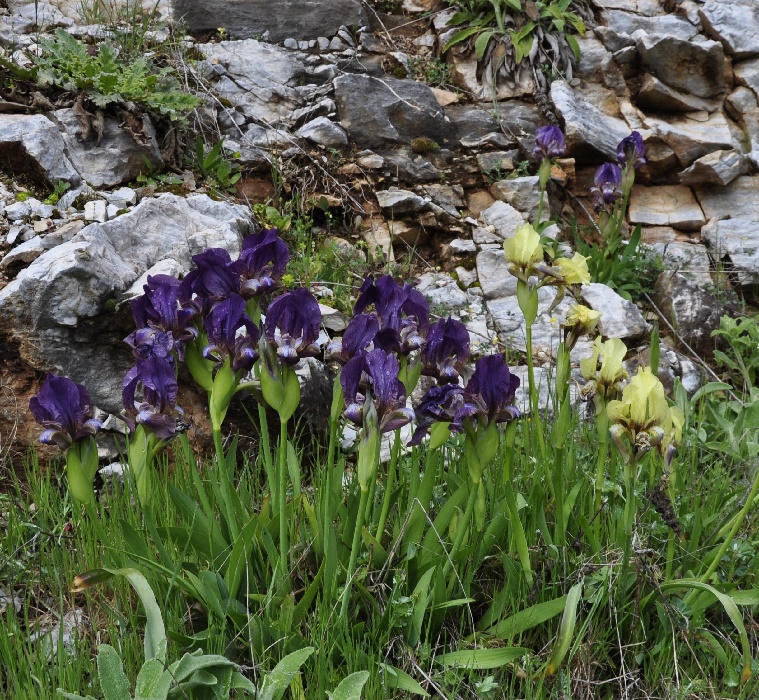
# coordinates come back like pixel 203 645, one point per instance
pixel 466 277
pixel 397 201
pixel 379 242
pixel 372 161
pixel 290 44
pixel 462 246
pixel 111 211
pixel 122 197
pixel 14 233
pixel 324 132
pixel 17 211
pixel 497 161
pixel 303 45
pixel 96 210
pixel 409 235
pixel 43 226
pixel 323 43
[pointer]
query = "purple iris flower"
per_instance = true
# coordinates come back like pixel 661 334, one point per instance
pixel 358 338
pixel 402 311
pixel 262 262
pixel 489 393
pixel 446 350
pixel 549 142
pixel 223 324
pixel 149 395
pixel 163 324
pixel 64 408
pixel 212 280
pixel 439 405
pixel 608 183
pixel 632 150
pixel 374 376
pixel 292 325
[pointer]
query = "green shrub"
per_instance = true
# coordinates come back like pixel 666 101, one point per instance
pixel 106 79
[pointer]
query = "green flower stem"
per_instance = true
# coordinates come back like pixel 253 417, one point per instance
pixel 461 532
pixel 602 421
pixel 391 467
pixel 282 480
pixel 737 523
pixel 558 492
pixel 534 406
pixel 629 521
pixel 354 551
pixel 226 485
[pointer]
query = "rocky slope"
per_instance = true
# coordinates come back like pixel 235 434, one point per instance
pixel 320 96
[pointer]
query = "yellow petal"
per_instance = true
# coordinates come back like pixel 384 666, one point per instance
pixel 589 365
pixel 523 250
pixel 574 271
pixel 613 353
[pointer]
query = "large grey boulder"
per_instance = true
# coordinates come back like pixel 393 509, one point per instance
pixel 585 124
pixel 666 205
pixel 118 158
pixel 33 144
pixel 379 112
pixel 692 312
pixel 620 318
pixel 735 241
pixel 693 135
pixel 737 200
pixel 55 312
pixel 298 19
pixel 686 67
pixel 257 78
pixel 735 23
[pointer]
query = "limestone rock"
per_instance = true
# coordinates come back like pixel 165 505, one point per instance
pixel 523 193
pixel 737 200
pixel 390 111
pixel 717 168
pixel 258 78
pixel 324 132
pixel 442 291
pixel 397 202
pixel 504 219
pixel 626 23
pixel 693 313
pixel 117 159
pixel 33 144
pixel 585 124
pixel 493 273
pixel 655 95
pixel 619 318
pixel 302 19
pixel 666 205
pixel 747 74
pixel 735 241
pixel 693 135
pixel 686 66
pixel 53 312
pixel 647 8
pixel 735 24
pixel 689 259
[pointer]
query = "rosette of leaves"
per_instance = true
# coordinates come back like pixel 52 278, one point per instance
pixel 511 36
pixel 107 79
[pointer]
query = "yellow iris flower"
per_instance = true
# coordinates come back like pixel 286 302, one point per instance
pixel 573 270
pixel 523 251
pixel 607 379
pixel 644 417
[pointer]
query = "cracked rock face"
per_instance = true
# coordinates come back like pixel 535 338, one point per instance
pixel 54 312
pixel 283 19
pixel 51 149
